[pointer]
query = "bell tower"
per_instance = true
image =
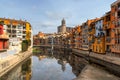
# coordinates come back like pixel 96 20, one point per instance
pixel 63 22
pixel 63 26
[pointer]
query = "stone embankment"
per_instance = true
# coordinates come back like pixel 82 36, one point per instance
pixel 110 63
pixel 11 61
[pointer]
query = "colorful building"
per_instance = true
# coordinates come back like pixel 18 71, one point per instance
pixel 99 41
pixel 4 44
pixel 28 31
pixel 115 27
pixel 72 39
pixel 107 26
pixel 91 30
pixel 76 41
pixel 85 34
pixel 85 42
pixel 17 30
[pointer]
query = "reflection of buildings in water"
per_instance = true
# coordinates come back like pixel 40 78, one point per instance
pixel 20 72
pixel 63 57
pixel 13 75
pixel 26 70
pixel 63 64
pixel 42 57
pixel 77 64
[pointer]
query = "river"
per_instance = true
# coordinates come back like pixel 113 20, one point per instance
pixel 57 65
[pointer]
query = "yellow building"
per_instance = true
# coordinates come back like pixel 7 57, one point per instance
pixel 91 38
pixel 28 31
pixel 99 41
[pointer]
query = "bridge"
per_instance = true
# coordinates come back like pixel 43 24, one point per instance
pixel 43 46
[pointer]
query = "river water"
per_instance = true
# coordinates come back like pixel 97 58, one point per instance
pixel 57 65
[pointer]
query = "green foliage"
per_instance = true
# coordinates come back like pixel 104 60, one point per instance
pixel 25 45
pixel 36 50
pixel 26 66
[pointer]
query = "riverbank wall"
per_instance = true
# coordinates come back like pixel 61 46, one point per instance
pixel 10 62
pixel 110 63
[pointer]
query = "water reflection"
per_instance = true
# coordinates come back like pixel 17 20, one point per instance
pixel 20 72
pixel 63 58
pixel 48 65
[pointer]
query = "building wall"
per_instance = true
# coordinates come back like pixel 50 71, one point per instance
pixel 85 34
pixel 92 36
pixel 28 31
pixel 1 44
pixel 85 42
pixel 17 31
pixel 115 32
pixel 62 27
pixel 68 29
pixel 108 30
pixel 3 39
pixel 99 44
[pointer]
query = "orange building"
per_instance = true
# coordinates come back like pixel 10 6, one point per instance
pixel 77 37
pixel 72 39
pixel 107 27
pixel 85 34
pixel 40 35
pixel 91 30
pixel 115 27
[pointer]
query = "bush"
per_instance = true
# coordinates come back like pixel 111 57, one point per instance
pixel 25 45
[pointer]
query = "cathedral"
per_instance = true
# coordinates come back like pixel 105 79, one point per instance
pixel 62 27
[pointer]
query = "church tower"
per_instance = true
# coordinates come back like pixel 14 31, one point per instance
pixel 63 22
pixel 63 26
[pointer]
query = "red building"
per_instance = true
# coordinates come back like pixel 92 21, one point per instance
pixel 3 39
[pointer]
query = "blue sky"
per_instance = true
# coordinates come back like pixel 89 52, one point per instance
pixel 46 15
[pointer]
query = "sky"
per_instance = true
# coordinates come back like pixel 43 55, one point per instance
pixel 46 15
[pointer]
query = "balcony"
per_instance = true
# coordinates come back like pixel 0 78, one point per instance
pixel 107 26
pixel 118 6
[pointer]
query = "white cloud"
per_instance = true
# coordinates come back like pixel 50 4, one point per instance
pixel 47 24
pixel 58 15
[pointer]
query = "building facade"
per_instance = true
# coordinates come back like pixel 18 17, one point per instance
pixel 99 44
pixel 115 27
pixel 4 38
pixel 17 31
pixel 107 26
pixel 62 28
